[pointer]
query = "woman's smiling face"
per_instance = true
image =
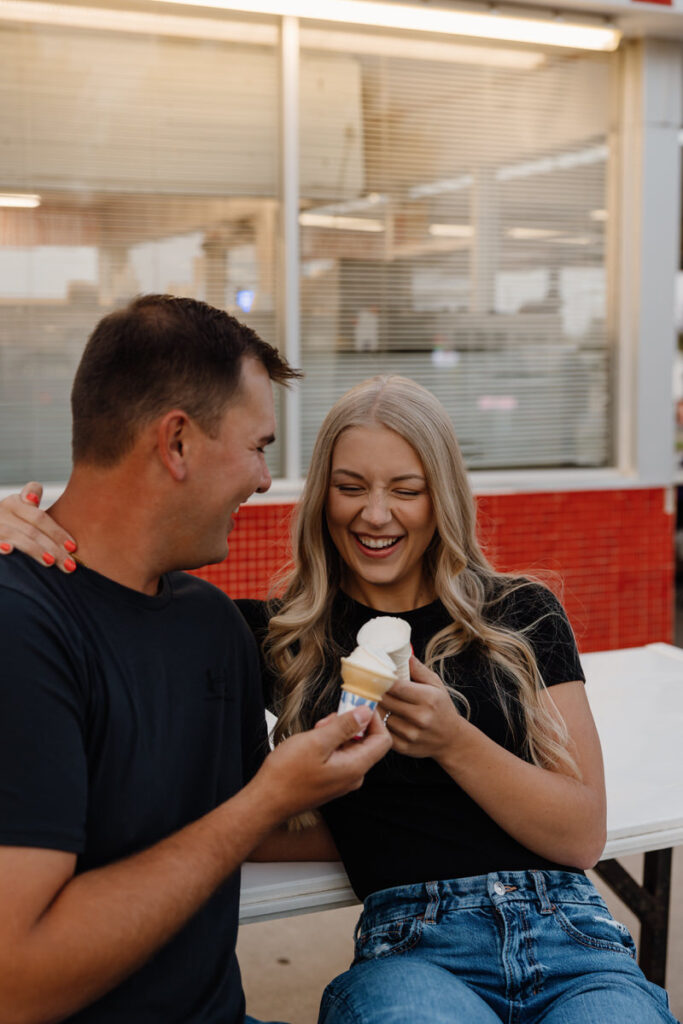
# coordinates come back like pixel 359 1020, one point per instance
pixel 380 517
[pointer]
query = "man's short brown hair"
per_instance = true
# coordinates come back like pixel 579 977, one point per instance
pixel 160 353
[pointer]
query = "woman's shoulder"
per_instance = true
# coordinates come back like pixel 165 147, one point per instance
pixel 257 613
pixel 519 602
pixel 531 608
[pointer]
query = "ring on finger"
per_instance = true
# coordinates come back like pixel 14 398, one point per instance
pixel 386 718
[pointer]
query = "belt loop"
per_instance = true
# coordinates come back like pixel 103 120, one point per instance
pixel 539 882
pixel 433 905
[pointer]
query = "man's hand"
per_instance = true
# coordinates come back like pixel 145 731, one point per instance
pixel 23 526
pixel 316 766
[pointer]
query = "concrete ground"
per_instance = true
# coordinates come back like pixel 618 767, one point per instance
pixel 287 963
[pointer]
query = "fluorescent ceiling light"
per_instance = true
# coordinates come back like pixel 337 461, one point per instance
pixel 24 200
pixel 509 172
pixel 573 240
pixel 420 49
pixel 451 230
pixel 545 32
pixel 326 220
pixel 372 201
pixel 524 234
pixel 103 19
pixel 562 162
pixel 441 187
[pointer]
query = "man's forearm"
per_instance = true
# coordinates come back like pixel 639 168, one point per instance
pixel 104 924
pixel 65 941
pixel 283 844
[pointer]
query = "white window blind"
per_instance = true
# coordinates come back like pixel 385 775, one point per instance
pixel 155 156
pixel 463 240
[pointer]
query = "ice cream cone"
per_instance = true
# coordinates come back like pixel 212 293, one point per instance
pixel 366 677
pixel 365 683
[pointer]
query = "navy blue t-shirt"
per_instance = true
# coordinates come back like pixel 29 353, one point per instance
pixel 123 717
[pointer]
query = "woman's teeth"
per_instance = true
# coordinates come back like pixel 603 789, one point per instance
pixel 377 543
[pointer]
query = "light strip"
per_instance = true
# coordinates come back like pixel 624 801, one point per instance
pixel 379 15
pixel 422 19
pixel 413 48
pixel 24 200
pixel 104 19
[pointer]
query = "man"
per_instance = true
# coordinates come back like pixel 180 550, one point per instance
pixel 134 772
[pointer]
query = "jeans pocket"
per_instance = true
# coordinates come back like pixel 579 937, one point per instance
pixel 593 926
pixel 388 938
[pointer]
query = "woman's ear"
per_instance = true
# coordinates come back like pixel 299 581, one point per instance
pixel 172 437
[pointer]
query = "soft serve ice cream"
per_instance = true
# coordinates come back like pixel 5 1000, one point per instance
pixel 389 634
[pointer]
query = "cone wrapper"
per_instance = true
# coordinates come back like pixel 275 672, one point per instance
pixel 362 686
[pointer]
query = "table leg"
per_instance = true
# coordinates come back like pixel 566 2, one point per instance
pixel 649 902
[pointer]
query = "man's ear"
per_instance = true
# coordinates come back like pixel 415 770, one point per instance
pixel 172 437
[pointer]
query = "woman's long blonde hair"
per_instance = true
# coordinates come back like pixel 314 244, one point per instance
pixel 300 641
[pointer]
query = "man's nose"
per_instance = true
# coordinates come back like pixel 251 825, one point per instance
pixel 266 480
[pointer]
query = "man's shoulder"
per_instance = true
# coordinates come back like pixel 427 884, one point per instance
pixel 25 582
pixel 206 598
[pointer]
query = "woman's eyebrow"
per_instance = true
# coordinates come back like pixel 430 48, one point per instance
pixel 347 472
pixel 394 479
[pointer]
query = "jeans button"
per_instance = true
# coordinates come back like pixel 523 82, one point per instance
pixel 499 888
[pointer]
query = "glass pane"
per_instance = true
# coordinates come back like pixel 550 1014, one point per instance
pixel 157 173
pixel 453 221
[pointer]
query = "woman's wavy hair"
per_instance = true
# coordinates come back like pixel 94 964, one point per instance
pixel 300 644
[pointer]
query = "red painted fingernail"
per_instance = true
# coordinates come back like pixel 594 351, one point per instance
pixel 48 558
pixel 5 547
pixel 33 498
pixel 69 564
pixel 70 547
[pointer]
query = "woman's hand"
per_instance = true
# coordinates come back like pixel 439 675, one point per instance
pixel 24 527
pixel 423 719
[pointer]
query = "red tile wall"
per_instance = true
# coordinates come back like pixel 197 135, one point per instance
pixel 607 554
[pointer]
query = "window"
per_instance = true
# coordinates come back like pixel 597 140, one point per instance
pixel 155 161
pixel 453 231
pixel 452 206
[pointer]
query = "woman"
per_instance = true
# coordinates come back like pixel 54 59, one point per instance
pixel 469 841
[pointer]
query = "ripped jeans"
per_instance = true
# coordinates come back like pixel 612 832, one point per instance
pixel 518 947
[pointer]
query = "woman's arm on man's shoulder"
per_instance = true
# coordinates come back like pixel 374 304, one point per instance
pixel 25 527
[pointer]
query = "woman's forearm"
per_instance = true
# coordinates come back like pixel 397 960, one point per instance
pixel 556 816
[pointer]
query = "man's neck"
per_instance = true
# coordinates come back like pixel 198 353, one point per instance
pixel 113 527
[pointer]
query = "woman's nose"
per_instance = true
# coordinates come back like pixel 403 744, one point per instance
pixel 377 511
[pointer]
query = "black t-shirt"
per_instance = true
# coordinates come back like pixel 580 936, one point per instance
pixel 410 822
pixel 123 717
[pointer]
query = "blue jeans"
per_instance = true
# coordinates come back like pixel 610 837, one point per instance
pixel 521 947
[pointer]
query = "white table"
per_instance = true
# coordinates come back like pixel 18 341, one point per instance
pixel 637 699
